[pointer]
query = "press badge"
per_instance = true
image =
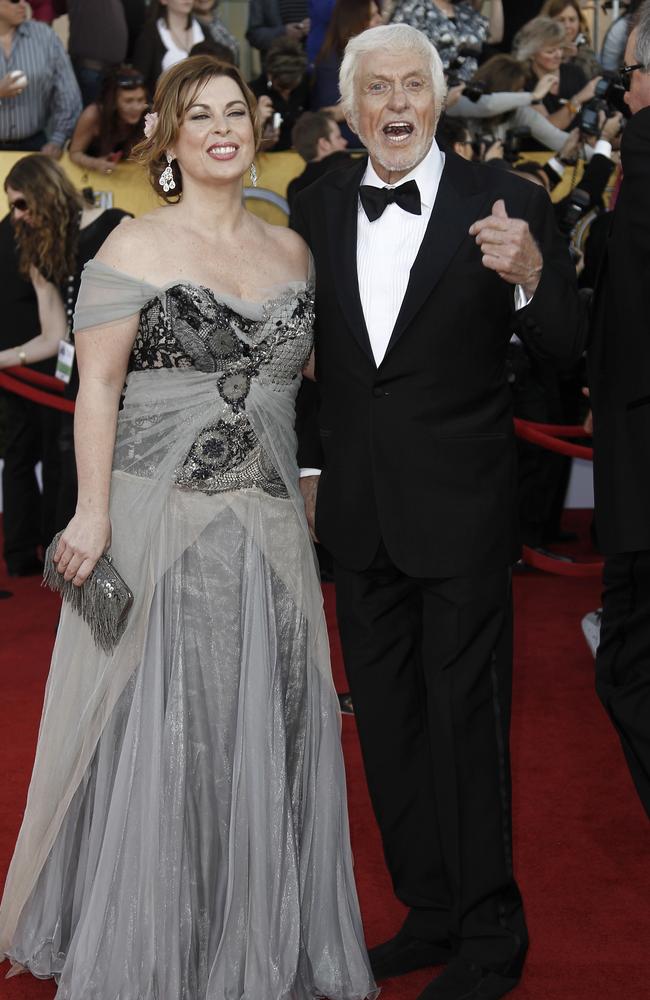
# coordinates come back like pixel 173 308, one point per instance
pixel 65 361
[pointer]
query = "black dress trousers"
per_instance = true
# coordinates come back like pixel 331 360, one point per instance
pixel 429 662
pixel 29 517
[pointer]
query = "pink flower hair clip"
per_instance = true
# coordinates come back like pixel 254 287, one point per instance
pixel 150 123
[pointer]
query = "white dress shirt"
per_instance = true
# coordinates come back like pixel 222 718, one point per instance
pixel 387 248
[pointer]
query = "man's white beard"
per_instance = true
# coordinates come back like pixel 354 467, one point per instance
pixel 404 164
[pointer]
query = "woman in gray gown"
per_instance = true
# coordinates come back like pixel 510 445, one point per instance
pixel 185 835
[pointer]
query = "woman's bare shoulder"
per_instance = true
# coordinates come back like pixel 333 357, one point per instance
pixel 291 247
pixel 133 244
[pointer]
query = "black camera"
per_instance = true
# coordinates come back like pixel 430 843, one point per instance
pixel 514 142
pixel 611 90
pixel 609 97
pixel 589 120
pixel 571 209
pixel 474 89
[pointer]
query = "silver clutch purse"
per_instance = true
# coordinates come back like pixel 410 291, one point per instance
pixel 103 601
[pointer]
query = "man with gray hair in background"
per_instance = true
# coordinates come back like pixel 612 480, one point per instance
pixel 619 377
pixel 425 265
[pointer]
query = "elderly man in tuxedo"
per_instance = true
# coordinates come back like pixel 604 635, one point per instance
pixel 424 266
pixel 619 376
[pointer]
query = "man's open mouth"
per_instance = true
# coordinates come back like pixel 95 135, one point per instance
pixel 398 131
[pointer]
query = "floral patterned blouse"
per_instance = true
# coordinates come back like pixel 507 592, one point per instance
pixel 466 29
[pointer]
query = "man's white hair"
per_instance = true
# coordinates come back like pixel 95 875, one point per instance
pixel 388 38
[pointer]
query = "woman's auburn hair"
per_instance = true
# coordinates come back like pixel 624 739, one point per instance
pixel 176 91
pixel 553 8
pixel 51 239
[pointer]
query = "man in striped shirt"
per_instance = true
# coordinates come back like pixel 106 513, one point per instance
pixel 38 89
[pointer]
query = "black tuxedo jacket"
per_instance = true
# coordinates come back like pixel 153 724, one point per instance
pixel 619 357
pixel 419 452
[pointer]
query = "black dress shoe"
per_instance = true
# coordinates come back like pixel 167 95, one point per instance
pixel 464 980
pixel 403 953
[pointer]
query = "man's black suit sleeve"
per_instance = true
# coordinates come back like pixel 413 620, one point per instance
pixel 551 325
pixel 310 452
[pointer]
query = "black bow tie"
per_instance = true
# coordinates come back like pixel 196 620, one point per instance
pixel 375 199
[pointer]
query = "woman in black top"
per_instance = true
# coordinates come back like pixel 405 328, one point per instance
pixel 57 232
pixel 540 47
pixel 168 36
pixel 108 130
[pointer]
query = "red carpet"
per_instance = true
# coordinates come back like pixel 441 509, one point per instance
pixel 582 840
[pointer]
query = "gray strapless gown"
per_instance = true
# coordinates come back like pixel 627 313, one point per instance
pixel 186 835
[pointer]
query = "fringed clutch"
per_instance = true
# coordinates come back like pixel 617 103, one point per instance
pixel 103 601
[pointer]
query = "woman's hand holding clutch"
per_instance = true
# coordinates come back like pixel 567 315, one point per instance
pixel 86 538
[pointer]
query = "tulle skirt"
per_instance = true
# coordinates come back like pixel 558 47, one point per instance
pixel 205 853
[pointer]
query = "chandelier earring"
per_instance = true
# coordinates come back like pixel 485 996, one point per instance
pixel 253 173
pixel 166 179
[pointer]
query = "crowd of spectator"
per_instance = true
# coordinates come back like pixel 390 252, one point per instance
pixel 522 77
pixel 537 77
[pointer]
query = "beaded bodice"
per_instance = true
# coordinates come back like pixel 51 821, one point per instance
pixel 188 326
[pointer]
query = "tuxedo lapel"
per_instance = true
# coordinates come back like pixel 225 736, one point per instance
pixel 458 204
pixel 342 237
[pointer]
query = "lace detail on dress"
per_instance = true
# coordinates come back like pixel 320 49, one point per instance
pixel 228 456
pixel 186 326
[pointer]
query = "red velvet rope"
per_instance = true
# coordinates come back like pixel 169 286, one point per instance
pixel 558 430
pixel 558 567
pixel 36 378
pixel 528 432
pixel 35 395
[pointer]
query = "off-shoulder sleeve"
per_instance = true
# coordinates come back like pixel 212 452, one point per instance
pixel 107 295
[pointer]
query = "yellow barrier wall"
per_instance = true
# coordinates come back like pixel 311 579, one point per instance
pixel 132 192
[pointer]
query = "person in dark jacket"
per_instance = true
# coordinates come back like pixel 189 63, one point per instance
pixel 619 377
pixel 317 138
pixel 271 19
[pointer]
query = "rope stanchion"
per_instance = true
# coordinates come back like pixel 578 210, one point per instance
pixel 35 395
pixel 549 436
pixel 558 430
pixel 559 567
pixel 528 433
pixel 39 379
